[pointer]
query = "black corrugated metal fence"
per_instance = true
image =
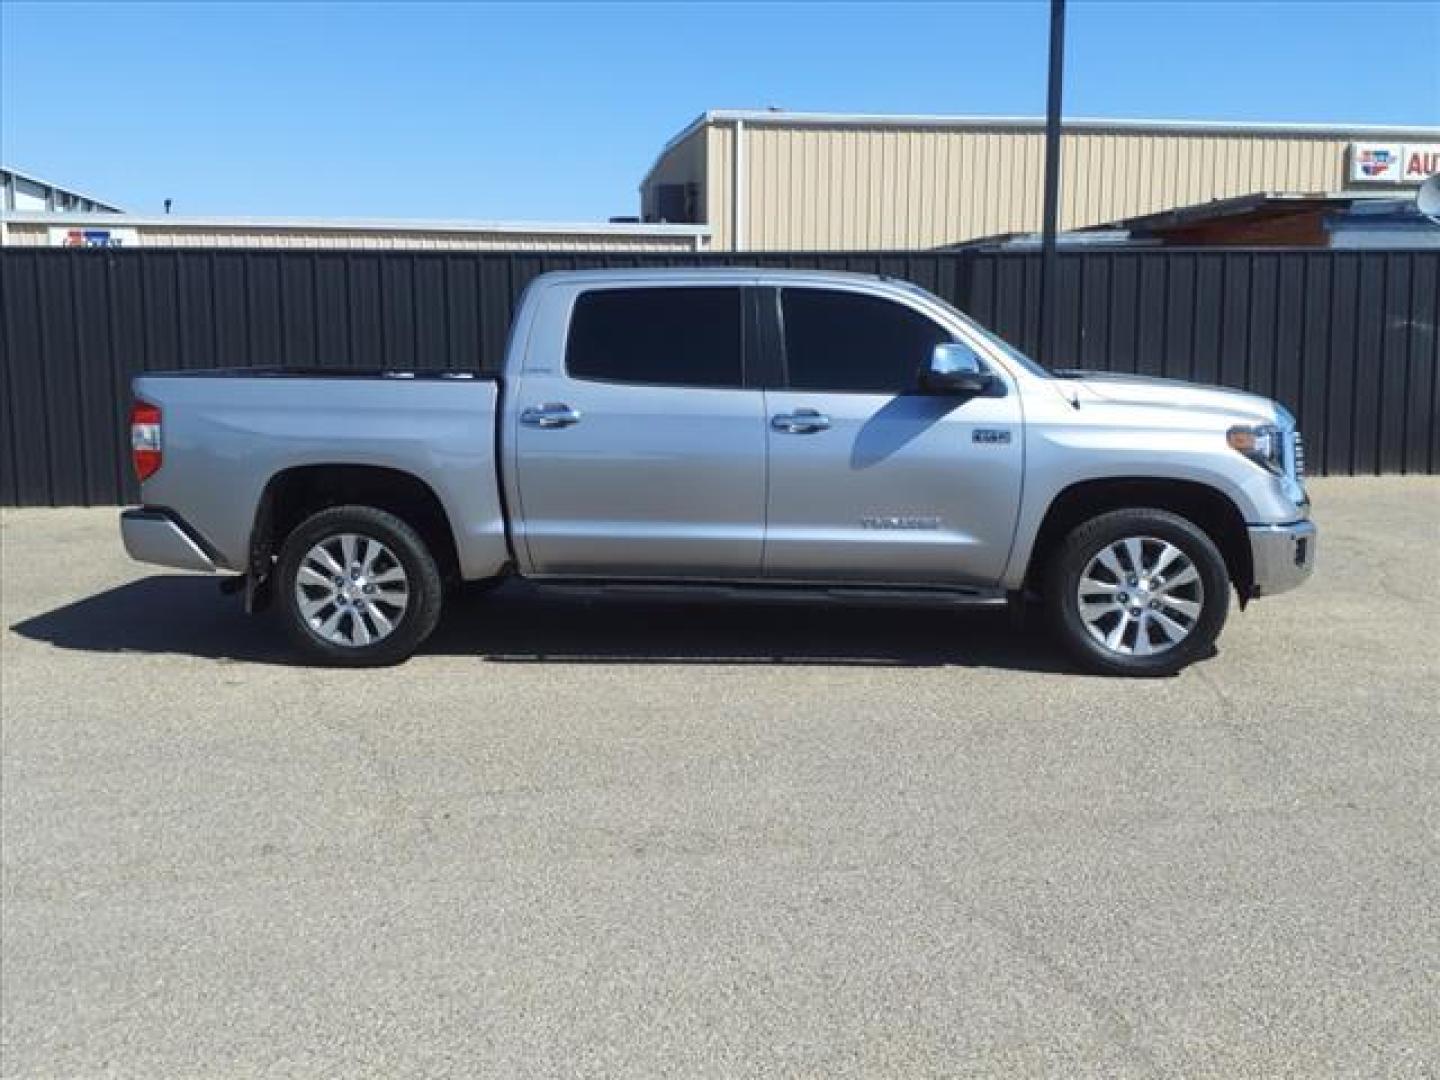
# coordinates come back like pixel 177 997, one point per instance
pixel 1346 340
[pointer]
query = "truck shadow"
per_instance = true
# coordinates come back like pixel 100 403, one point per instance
pixel 520 624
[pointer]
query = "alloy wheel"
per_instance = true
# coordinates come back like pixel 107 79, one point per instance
pixel 351 590
pixel 1140 596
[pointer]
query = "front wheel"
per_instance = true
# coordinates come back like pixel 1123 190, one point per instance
pixel 358 587
pixel 1138 592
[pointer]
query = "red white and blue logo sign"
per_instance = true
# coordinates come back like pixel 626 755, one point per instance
pixel 1376 163
pixel 87 238
pixel 1393 163
pixel 72 236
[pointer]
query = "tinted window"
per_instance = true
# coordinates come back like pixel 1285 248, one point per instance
pixel 680 337
pixel 849 341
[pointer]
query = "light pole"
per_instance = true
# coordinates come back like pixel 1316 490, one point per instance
pixel 1050 262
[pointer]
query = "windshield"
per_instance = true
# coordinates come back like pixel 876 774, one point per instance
pixel 1010 351
pixel 1032 366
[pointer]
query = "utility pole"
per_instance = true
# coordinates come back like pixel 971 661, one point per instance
pixel 1050 261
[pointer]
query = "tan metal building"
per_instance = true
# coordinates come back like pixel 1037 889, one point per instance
pixel 22 191
pixel 43 229
pixel 817 181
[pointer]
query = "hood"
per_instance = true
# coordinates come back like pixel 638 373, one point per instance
pixel 1167 393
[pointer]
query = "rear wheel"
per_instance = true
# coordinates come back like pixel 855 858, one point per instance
pixel 358 587
pixel 1138 592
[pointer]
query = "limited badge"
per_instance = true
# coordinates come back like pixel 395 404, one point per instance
pixel 991 435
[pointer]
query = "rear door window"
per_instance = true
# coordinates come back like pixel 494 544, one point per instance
pixel 660 337
pixel 847 341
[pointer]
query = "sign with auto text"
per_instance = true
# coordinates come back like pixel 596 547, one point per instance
pixel 82 237
pixel 1393 163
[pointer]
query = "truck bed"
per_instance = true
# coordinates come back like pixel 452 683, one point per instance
pixel 313 372
pixel 229 433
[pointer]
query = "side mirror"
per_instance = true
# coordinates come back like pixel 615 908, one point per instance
pixel 955 369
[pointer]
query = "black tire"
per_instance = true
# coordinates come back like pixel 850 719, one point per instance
pixel 411 626
pixel 1085 543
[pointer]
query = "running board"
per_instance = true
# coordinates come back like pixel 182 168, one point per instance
pixel 779 593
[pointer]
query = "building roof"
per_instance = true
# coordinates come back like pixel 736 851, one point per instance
pixel 176 221
pixel 1078 123
pixel 20 174
pixel 1257 204
pixel 1037 123
pixel 1180 224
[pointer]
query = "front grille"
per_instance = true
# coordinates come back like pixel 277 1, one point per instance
pixel 1297 455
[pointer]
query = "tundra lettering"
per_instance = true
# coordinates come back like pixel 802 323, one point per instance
pixel 900 522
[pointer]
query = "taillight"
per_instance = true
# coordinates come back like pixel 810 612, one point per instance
pixel 145 447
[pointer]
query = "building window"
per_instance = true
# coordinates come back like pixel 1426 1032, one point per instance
pixel 677 203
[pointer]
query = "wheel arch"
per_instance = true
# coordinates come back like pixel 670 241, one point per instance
pixel 295 493
pixel 1208 507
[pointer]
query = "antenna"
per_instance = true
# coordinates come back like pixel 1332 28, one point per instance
pixel 1427 198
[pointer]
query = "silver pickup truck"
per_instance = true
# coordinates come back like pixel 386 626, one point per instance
pixel 746 432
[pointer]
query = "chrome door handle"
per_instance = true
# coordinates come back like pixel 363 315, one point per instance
pixel 800 422
pixel 553 414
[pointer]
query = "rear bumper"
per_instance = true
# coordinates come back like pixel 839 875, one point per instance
pixel 1283 556
pixel 156 536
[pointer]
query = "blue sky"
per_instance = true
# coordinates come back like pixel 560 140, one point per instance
pixel 554 112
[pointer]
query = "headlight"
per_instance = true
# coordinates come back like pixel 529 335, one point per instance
pixel 1263 444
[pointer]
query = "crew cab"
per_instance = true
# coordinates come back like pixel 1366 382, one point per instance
pixel 749 432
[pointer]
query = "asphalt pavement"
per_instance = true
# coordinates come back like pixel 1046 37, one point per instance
pixel 603 838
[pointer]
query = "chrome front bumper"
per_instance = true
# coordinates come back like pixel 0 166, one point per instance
pixel 1282 555
pixel 153 536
